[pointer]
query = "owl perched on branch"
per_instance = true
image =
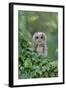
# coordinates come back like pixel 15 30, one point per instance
pixel 40 43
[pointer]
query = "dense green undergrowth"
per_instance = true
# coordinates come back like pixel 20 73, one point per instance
pixel 31 65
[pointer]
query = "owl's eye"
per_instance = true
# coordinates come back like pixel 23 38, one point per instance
pixel 36 37
pixel 41 37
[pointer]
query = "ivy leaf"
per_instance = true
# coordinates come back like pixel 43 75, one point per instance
pixel 27 63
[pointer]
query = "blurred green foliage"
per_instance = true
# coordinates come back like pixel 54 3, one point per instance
pixel 31 65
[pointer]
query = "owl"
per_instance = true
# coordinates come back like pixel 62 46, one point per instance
pixel 40 43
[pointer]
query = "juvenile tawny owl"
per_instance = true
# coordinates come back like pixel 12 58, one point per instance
pixel 40 43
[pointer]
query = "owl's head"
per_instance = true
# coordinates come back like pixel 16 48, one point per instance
pixel 39 38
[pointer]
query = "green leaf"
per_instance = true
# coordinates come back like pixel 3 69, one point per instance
pixel 27 63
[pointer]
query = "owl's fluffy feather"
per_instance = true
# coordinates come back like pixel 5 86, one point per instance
pixel 40 43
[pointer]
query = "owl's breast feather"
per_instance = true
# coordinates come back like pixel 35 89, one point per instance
pixel 40 49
